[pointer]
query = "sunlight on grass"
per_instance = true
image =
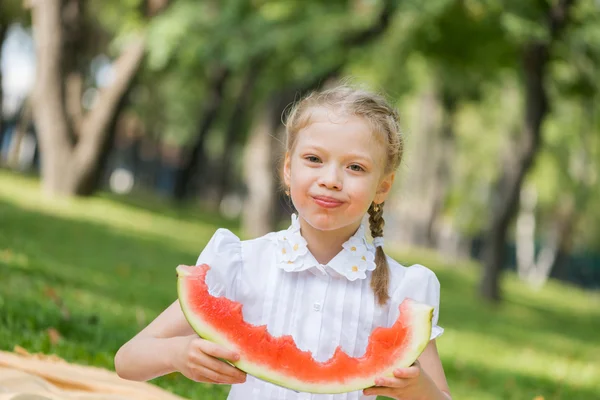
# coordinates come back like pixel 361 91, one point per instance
pixel 18 260
pixel 126 218
pixel 501 354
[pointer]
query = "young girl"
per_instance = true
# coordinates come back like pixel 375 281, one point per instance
pixel 320 280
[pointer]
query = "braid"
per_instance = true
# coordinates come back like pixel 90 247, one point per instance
pixel 381 276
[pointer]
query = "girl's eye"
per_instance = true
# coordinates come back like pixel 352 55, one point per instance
pixel 356 167
pixel 313 159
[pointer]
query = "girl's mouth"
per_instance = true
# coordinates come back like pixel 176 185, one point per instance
pixel 327 202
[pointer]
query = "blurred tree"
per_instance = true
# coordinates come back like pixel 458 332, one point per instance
pixel 573 140
pixel 536 56
pixel 212 104
pixel 564 180
pixel 239 116
pixel 72 141
pixel 462 47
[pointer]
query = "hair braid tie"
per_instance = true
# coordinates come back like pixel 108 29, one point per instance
pixel 378 241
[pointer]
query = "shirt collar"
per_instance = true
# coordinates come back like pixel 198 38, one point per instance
pixel 356 257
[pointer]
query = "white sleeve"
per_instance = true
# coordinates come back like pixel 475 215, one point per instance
pixel 420 284
pixel 223 254
pixel 432 297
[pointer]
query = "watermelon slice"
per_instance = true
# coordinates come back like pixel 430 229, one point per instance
pixel 278 360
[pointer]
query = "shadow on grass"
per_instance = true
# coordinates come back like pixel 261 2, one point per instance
pixel 90 256
pixel 170 208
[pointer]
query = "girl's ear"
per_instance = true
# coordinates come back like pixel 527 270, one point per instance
pixel 287 169
pixel 383 190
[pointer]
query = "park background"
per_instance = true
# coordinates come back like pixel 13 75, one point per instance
pixel 132 130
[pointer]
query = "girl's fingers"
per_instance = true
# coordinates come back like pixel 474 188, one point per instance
pixel 206 380
pixel 203 374
pixel 217 351
pixel 391 382
pixel 407 373
pixel 402 377
pixel 221 368
pixel 379 391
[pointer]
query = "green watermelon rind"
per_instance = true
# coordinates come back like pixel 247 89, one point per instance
pixel 421 328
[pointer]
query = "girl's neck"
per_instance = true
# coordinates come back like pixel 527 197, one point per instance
pixel 324 245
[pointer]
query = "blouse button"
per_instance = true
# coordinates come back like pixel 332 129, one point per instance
pixel 317 307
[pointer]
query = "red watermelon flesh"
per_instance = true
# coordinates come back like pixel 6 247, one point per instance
pixel 278 360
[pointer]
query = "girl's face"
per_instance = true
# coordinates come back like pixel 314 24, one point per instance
pixel 335 171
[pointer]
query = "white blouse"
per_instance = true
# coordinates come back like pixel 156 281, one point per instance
pixel 281 284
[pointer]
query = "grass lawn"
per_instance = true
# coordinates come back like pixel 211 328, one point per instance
pixel 98 270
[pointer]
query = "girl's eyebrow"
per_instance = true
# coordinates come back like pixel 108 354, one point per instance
pixel 360 156
pixel 353 155
pixel 315 148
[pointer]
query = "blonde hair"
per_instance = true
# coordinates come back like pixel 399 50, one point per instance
pixel 384 121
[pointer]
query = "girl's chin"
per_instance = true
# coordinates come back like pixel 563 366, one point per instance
pixel 327 222
pixel 320 222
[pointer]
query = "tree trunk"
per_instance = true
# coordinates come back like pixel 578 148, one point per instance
pixel 572 210
pixel 535 269
pixel 258 212
pixel 235 126
pixel 506 196
pixel 95 128
pixel 3 29
pixel 56 147
pixel 443 169
pixel 93 181
pixel 415 210
pixel 196 162
pixel 525 232
pixel 506 199
pixel 22 125
pixel 70 158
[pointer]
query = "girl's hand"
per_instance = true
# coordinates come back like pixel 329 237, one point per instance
pixel 410 383
pixel 198 360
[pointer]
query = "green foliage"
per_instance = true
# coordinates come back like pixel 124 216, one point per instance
pixel 118 17
pixel 466 50
pixel 111 265
pixel 465 41
pixel 292 40
pixel 12 11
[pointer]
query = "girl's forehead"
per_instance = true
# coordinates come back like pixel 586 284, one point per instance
pixel 341 132
pixel 324 124
pixel 334 115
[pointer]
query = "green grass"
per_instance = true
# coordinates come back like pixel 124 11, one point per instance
pixel 98 270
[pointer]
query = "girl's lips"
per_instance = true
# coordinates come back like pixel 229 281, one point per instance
pixel 327 202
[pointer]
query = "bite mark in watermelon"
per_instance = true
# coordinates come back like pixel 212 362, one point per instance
pixel 278 360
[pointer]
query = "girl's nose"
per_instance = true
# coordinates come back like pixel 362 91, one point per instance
pixel 330 178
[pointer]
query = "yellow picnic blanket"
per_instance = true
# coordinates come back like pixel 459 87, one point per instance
pixel 25 376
